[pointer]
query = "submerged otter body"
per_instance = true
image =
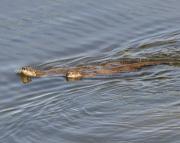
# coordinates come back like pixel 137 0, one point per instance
pixel 105 68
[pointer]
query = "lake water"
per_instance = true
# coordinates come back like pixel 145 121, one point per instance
pixel 141 106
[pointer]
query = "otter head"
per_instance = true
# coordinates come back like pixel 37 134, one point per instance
pixel 28 71
pixel 73 75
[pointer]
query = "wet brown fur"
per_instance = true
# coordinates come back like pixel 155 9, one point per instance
pixel 105 68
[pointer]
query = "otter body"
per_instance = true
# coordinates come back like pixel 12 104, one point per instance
pixel 106 68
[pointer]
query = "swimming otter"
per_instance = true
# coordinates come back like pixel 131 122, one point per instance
pixel 89 71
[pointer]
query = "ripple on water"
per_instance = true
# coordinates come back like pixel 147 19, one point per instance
pixel 137 107
pixel 105 106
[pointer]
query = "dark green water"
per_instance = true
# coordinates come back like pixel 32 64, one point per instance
pixel 142 106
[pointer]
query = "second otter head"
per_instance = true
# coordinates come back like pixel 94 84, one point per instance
pixel 73 75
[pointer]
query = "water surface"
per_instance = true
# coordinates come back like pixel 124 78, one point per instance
pixel 142 106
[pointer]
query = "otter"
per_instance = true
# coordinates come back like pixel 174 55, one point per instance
pixel 90 71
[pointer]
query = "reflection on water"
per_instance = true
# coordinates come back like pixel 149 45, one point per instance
pixel 141 106
pixel 25 79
